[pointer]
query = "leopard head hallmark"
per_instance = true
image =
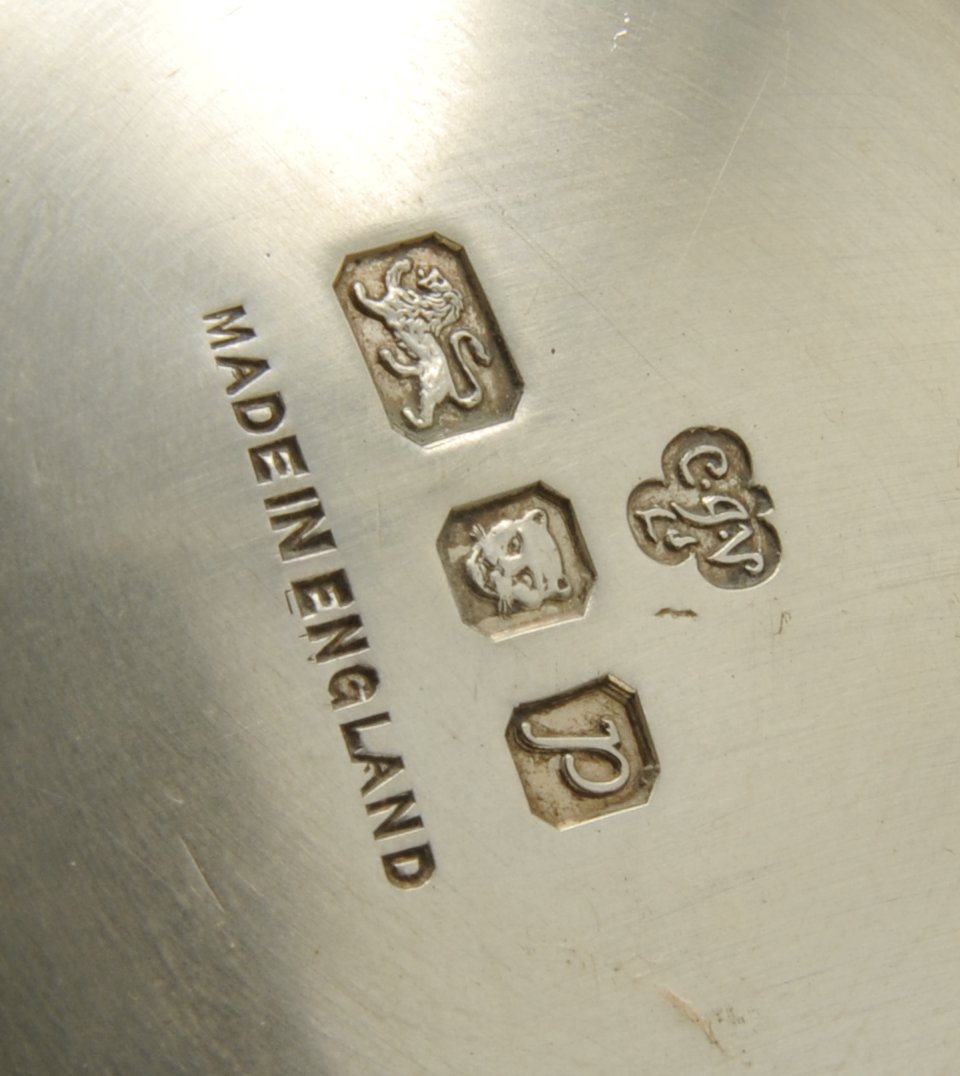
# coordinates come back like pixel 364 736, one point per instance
pixel 429 338
pixel 516 562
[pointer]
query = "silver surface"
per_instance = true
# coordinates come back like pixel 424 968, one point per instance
pixel 682 213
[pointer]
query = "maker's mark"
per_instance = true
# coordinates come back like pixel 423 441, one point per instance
pixel 707 506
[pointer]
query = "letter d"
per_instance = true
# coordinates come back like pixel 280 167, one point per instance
pixel 410 868
pixel 260 414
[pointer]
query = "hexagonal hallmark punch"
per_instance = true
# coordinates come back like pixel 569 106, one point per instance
pixel 585 753
pixel 429 338
pixel 517 561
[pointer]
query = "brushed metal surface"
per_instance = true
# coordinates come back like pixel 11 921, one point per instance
pixel 683 213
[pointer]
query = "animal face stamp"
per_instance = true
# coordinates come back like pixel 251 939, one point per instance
pixel 516 562
pixel 707 507
pixel 584 754
pixel 428 338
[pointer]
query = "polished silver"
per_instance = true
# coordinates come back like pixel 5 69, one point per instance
pixel 683 214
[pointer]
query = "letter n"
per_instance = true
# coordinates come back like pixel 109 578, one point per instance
pixel 340 638
pixel 303 520
pixel 398 821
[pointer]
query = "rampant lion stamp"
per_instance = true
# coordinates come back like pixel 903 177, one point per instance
pixel 584 753
pixel 429 338
pixel 517 562
pixel 707 506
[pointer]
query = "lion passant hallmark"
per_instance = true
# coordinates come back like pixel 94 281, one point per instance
pixel 428 338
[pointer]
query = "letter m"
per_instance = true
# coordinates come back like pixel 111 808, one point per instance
pixel 223 329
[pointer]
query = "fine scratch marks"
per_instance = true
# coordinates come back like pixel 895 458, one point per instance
pixel 697 1019
pixel 723 169
pixel 786 61
pixel 204 878
pixel 788 33
pixel 570 279
pixel 90 813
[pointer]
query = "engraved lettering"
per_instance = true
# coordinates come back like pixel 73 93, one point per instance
pixel 711 509
pixel 398 820
pixel 351 732
pixel 676 540
pixel 718 510
pixel 650 515
pixel 330 591
pixel 224 331
pixel 260 414
pixel 350 686
pixel 304 521
pixel 409 868
pixel 381 767
pixel 244 371
pixel 277 459
pixel 340 638
pixel 607 746
pixel 583 754
pixel 752 561
pixel 717 469
pixel 299 518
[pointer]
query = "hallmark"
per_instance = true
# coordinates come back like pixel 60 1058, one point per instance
pixel 429 338
pixel 516 562
pixel 584 754
pixel 707 506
